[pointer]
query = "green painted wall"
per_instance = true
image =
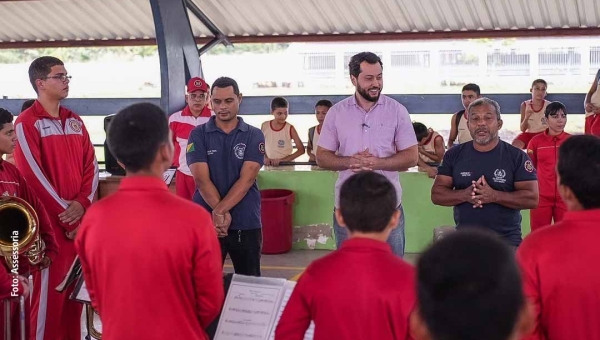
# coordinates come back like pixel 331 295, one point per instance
pixel 313 207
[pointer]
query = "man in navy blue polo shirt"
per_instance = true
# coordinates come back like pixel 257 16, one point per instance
pixel 224 156
pixel 487 180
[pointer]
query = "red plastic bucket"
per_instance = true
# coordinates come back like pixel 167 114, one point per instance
pixel 276 215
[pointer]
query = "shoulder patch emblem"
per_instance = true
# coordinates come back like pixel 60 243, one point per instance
pixel 190 147
pixel 75 125
pixel 529 166
pixel 261 148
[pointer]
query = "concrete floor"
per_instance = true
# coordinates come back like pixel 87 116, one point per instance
pixel 287 266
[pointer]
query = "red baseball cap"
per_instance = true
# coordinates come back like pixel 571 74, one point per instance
pixel 196 84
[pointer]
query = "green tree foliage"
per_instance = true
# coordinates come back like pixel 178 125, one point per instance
pixel 85 54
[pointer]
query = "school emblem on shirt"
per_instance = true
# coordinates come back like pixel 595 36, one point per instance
pixel 75 125
pixel 261 148
pixel 190 147
pixel 280 143
pixel 239 150
pixel 499 176
pixel 529 166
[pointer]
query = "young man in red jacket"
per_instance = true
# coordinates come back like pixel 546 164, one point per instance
pixel 12 184
pixel 361 291
pixel 469 287
pixel 181 123
pixel 560 263
pixel 55 155
pixel 543 151
pixel 155 274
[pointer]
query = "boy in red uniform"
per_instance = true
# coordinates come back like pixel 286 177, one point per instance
pixel 181 123
pixel 362 290
pixel 543 151
pixel 156 273
pixel 469 287
pixel 13 184
pixel 560 263
pixel 55 155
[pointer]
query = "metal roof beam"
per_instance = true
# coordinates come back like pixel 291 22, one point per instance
pixel 220 37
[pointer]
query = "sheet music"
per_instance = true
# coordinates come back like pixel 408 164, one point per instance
pixel 250 308
pixel 168 176
pixel 83 294
pixel 290 285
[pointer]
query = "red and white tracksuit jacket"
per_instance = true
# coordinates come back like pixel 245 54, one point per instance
pixel 181 124
pixel 543 151
pixel 56 157
pixel 13 184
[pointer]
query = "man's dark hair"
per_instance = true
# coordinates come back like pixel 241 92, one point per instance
pixel 5 117
pixel 136 133
pixel 40 68
pixel 357 59
pixel 469 287
pixel 578 168
pixel 324 102
pixel 420 130
pixel 554 108
pixel 27 104
pixel 279 103
pixel 472 87
pixel 224 82
pixel 367 202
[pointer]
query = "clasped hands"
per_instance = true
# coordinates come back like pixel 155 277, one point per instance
pixel 589 107
pixel 363 161
pixel 221 221
pixel 480 193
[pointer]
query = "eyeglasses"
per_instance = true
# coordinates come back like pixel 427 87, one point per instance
pixel 61 77
pixel 197 96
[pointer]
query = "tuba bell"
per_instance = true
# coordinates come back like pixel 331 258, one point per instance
pixel 19 231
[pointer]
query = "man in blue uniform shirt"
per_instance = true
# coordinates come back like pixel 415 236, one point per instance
pixel 487 181
pixel 224 156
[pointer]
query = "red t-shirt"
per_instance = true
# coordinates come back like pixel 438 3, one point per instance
pixel 543 151
pixel 361 291
pixel 152 263
pixel 561 277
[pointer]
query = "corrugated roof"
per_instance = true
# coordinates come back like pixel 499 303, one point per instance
pixel 79 22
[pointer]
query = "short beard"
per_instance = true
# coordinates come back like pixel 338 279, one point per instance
pixel 365 94
pixel 487 140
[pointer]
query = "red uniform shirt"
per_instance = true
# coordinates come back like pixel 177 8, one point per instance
pixel 13 184
pixel 561 277
pixel 361 291
pixel 543 151
pixel 181 124
pixel 56 157
pixel 152 263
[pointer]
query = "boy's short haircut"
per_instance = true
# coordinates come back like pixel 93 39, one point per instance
pixel 27 104
pixel 420 130
pixel 539 81
pixel 5 117
pixel 578 167
pixel 279 103
pixel 472 87
pixel 324 102
pixel 555 107
pixel 136 133
pixel 469 287
pixel 41 67
pixel 367 202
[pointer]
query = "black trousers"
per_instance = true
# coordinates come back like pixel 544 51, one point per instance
pixel 243 247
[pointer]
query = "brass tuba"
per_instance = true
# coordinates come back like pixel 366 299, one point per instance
pixel 19 231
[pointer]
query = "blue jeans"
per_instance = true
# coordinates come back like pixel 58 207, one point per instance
pixel 396 239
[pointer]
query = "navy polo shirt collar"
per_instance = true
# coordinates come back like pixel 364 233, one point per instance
pixel 211 125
